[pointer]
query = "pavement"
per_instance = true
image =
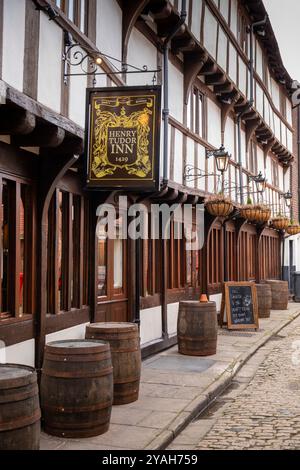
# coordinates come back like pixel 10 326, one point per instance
pixel 261 408
pixel 175 389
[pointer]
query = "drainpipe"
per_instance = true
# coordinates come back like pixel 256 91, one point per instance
pixel 298 157
pixel 166 110
pixel 251 101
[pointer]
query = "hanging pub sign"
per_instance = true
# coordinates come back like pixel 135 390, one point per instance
pixel 239 308
pixel 122 138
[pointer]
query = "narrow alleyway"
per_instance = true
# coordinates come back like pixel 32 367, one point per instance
pixel 261 408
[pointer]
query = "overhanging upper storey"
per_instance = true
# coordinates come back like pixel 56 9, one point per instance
pixel 214 45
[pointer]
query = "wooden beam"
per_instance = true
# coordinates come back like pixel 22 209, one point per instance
pixel 183 44
pixel 31 52
pixel 209 68
pixel 15 121
pixel 42 112
pixel 216 79
pixel 225 88
pixel 44 135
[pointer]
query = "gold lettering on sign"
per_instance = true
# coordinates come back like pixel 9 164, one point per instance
pixel 122 136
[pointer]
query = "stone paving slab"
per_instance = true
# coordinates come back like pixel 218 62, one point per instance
pixel 175 388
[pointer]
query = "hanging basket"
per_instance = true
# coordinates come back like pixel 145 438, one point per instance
pixel 251 213
pixel 280 223
pixel 219 207
pixel 264 214
pixel 293 229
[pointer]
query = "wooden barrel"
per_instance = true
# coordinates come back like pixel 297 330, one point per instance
pixel 280 294
pixel 76 388
pixel 20 412
pixel 264 300
pixel 197 328
pixel 124 343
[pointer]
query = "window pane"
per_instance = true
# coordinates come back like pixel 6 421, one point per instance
pixel 118 256
pixel 82 16
pixel 5 245
pixel 71 10
pixel 102 263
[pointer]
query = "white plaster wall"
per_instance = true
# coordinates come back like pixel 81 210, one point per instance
pixel 269 169
pixel 211 179
pixel 13 42
pixel 232 63
pixel 196 19
pixel 175 92
pixel 242 76
pixel 229 136
pixel 21 353
pixel 141 52
pixel 172 318
pixel 287 179
pixel 289 140
pixel 190 157
pixel 259 100
pixel 275 93
pixel 210 33
pixel 234 13
pixel 201 164
pixel 214 123
pixel 101 80
pixel 109 28
pixel 49 67
pixel 224 9
pixel 151 324
pixel 178 158
pixel 289 112
pixel 222 49
pixel 75 332
pixel 218 299
pixel 259 60
pixel 77 98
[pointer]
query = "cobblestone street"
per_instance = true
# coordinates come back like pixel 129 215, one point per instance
pixel 261 409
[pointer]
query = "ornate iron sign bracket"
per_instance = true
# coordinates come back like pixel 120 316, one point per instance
pixel 88 63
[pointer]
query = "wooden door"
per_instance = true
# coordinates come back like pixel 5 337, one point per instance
pixel 111 277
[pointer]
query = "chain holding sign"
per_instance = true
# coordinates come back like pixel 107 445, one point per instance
pixel 123 127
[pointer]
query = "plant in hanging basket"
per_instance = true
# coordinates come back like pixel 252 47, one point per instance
pixel 250 211
pixel 264 213
pixel 293 228
pixel 219 205
pixel 280 222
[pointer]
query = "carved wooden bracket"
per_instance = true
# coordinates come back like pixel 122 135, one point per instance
pixel 43 135
pixel 131 13
pixel 251 126
pixel 14 121
pixel 193 64
pixel 226 110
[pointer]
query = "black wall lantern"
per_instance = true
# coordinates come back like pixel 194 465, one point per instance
pixel 222 158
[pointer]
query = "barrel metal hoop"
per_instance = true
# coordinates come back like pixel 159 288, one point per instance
pixel 21 422
pixel 71 358
pixel 20 396
pixel 76 374
pixel 79 409
pixel 126 381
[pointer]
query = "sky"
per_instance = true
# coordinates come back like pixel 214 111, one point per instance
pixel 285 18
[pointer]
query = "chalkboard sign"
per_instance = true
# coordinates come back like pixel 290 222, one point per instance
pixel 241 305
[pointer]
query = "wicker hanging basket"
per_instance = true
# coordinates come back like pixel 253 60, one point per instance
pixel 280 223
pixel 250 212
pixel 264 214
pixel 293 229
pixel 219 207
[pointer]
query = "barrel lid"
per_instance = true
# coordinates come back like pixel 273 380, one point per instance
pixel 113 327
pixel 77 346
pixel 16 375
